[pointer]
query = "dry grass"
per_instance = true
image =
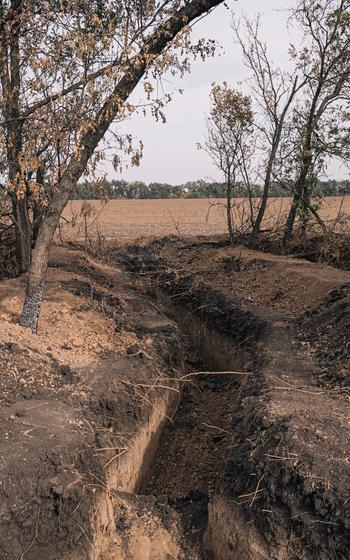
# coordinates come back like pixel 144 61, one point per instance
pixel 131 219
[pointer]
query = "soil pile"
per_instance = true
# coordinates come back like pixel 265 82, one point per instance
pixel 82 405
pixel 327 328
pixel 287 477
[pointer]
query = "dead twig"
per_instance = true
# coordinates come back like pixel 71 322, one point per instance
pixel 217 428
pixel 115 457
pixel 141 353
pixel 34 538
pixel 257 490
pixel 196 373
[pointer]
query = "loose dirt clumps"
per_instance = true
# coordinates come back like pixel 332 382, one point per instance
pixel 287 477
pixel 194 445
pixel 82 405
pixel 327 330
pixel 148 528
pixel 180 410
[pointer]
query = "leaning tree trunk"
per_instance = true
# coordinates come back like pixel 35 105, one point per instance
pixel 305 205
pixel 298 195
pixel 35 283
pixel 138 65
pixel 263 203
pixel 34 292
pixel 40 255
pixel 274 148
pixel 268 176
pixel 23 233
pixel 288 230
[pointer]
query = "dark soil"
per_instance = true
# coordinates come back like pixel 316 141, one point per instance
pixel 333 249
pixel 327 329
pixel 195 443
pixel 193 451
pixel 271 441
pixel 287 473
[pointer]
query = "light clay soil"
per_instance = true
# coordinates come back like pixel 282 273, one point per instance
pixel 81 404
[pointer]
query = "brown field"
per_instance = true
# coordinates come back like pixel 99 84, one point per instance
pixel 128 219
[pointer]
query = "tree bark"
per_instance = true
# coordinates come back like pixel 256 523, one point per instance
pixel 11 85
pixel 138 65
pixel 23 233
pixel 265 195
pixel 288 230
pixel 305 205
pixel 299 186
pixel 229 208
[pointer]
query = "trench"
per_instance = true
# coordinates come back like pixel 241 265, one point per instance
pixel 184 461
pixel 189 466
pixel 231 432
pixel 162 496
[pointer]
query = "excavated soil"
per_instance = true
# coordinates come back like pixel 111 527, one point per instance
pixel 284 493
pixel 82 407
pixel 314 296
pixel 194 444
pixel 185 401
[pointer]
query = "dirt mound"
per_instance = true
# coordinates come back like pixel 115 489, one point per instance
pixel 327 329
pixel 82 405
pixel 287 477
pixel 313 296
pixel 332 249
pixel 256 457
pixel 281 283
pixel 149 528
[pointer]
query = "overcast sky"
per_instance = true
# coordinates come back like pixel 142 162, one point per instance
pixel 170 151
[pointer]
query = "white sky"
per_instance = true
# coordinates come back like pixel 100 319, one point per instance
pixel 170 149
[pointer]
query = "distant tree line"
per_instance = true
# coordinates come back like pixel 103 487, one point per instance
pixel 121 189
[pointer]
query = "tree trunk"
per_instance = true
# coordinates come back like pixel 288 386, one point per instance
pixel 264 199
pixel 298 195
pixel 288 230
pixel 32 304
pixel 23 234
pixel 274 148
pixel 305 205
pixel 138 65
pixel 40 255
pixel 37 220
pixel 267 183
pixel 229 212
pixel 11 86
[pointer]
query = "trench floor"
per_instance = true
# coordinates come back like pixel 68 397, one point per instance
pixel 193 450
